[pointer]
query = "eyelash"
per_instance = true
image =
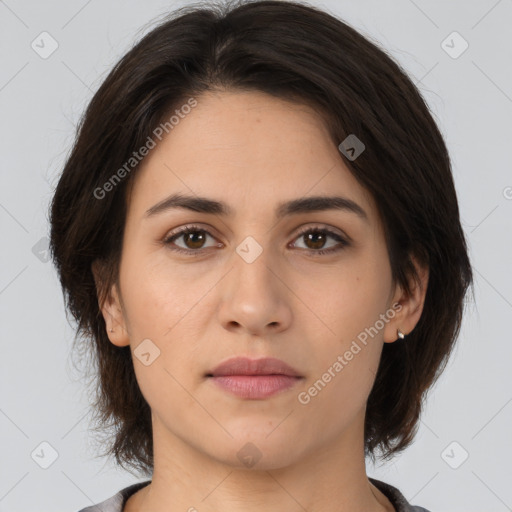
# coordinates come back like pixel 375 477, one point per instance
pixel 193 229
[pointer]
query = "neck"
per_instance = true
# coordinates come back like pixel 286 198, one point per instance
pixel 330 477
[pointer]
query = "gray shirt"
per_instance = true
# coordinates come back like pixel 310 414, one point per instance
pixel 116 503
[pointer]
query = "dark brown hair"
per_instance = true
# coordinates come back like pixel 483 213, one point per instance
pixel 298 53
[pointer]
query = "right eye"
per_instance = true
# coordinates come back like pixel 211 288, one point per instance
pixel 193 238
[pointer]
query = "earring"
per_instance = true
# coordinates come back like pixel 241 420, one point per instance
pixel 400 334
pixel 111 330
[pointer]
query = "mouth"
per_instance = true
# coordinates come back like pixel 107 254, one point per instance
pixel 253 367
pixel 254 379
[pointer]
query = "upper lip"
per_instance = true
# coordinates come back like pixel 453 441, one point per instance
pixel 247 366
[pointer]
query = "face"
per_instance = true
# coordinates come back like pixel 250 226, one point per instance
pixel 303 286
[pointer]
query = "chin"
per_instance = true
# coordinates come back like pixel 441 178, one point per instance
pixel 255 449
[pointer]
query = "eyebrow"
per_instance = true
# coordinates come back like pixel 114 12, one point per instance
pixel 295 206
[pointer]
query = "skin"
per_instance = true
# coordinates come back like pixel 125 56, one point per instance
pixel 253 151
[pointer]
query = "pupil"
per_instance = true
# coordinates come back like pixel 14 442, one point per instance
pixel 317 239
pixel 195 243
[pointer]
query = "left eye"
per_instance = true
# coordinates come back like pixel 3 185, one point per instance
pixel 318 236
pixel 194 238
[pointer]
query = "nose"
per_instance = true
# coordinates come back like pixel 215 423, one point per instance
pixel 254 295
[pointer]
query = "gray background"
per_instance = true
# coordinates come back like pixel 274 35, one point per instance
pixel 41 99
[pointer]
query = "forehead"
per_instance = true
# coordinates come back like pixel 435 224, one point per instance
pixel 248 149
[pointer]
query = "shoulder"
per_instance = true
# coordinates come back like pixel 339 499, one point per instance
pixel 116 502
pixel 396 498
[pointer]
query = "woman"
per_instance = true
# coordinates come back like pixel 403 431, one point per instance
pixel 258 234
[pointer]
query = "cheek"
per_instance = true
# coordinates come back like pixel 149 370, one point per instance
pixel 344 301
pixel 345 329
pixel 158 295
pixel 162 306
pixel 171 309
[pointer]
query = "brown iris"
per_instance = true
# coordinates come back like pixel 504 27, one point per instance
pixel 197 238
pixel 317 238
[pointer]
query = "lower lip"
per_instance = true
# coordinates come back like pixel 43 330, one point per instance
pixel 255 386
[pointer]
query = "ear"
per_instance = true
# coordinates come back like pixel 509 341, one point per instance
pixel 110 307
pixel 407 307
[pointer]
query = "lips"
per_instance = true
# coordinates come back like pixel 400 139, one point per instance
pixel 247 366
pixel 254 379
